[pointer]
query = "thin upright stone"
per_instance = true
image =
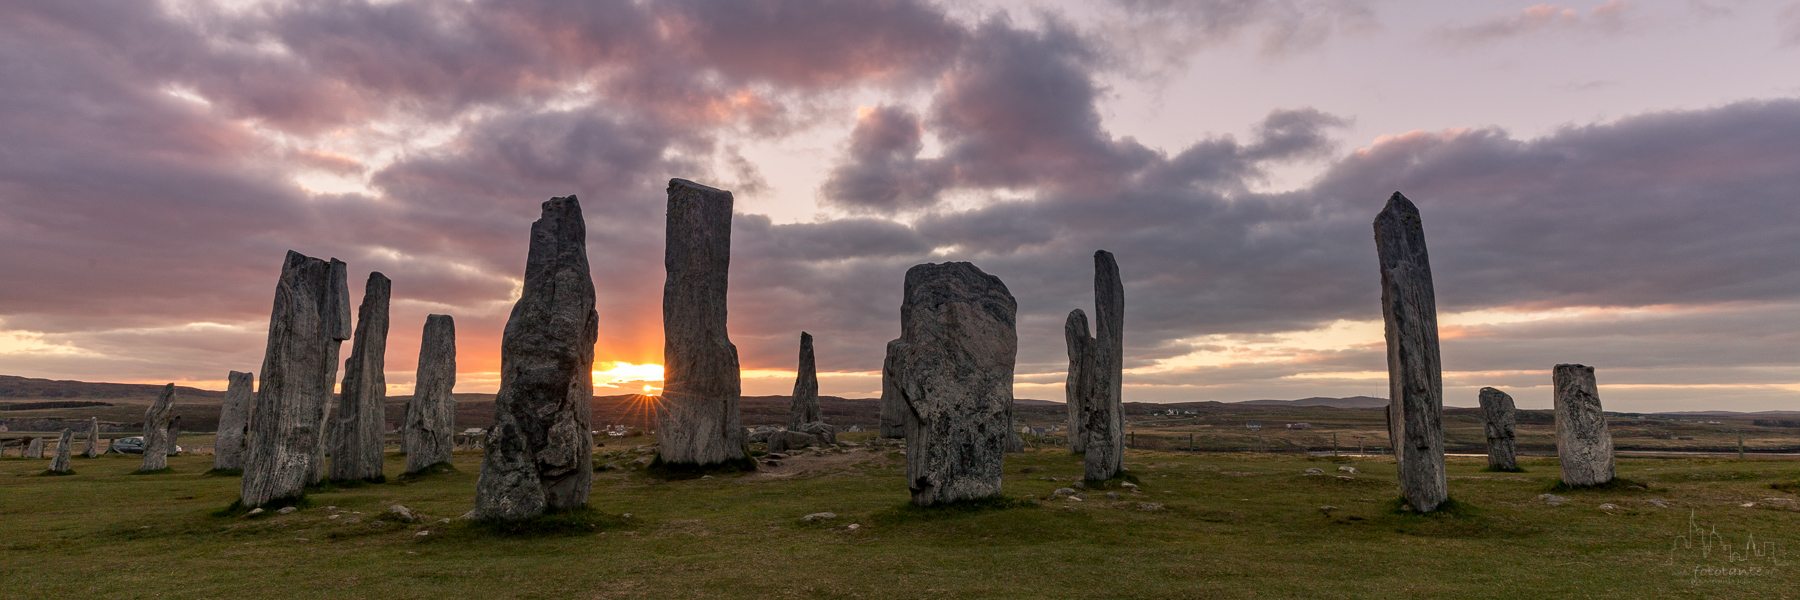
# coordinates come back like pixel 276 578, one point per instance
pixel 1415 376
pixel 157 438
pixel 234 420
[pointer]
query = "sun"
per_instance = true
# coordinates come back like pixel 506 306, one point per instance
pixel 651 390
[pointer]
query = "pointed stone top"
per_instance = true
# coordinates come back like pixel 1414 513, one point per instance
pixel 1398 207
pixel 1104 255
pixel 678 183
pixel 377 276
pixel 805 338
pixel 1076 324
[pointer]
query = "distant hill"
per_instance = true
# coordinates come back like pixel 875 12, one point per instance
pixel 49 389
pixel 1351 402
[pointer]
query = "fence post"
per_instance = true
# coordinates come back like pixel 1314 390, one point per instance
pixel 1334 452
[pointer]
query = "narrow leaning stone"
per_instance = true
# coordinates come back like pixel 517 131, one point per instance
pixel 361 412
pixel 1105 421
pixel 893 405
pixel 1079 389
pixel 1415 377
pixel 296 374
pixel 93 438
pixel 1582 442
pixel 805 408
pixel 1501 422
pixel 60 464
pixel 539 453
pixel 157 442
pixel 955 360
pixel 234 419
pixel 431 413
pixel 699 423
pixel 337 329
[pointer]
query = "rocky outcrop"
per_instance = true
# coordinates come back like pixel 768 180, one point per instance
pixel 954 365
pixel 60 464
pixel 699 425
pixel 157 439
pixel 1501 420
pixel 297 371
pixel 806 387
pixel 893 407
pixel 1583 444
pixel 1415 376
pixel 93 439
pixel 360 416
pixel 539 453
pixel 234 420
pixel 431 413
pixel 783 441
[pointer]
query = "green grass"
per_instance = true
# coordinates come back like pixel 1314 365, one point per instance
pixel 1200 525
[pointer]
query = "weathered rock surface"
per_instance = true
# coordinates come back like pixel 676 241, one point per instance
pixel 34 448
pixel 93 439
pixel 539 453
pixel 1105 412
pixel 893 407
pixel 157 439
pixel 783 441
pixel 822 430
pixel 1415 375
pixel 234 420
pixel 1501 421
pixel 337 330
pixel 60 464
pixel 699 424
pixel 431 413
pixel 806 387
pixel 1583 444
pixel 297 370
pixel 1079 388
pixel 360 415
pixel 955 361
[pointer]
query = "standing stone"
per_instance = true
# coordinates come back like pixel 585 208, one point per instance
pixel 361 412
pixel 1079 389
pixel 1415 376
pixel 699 424
pixel 539 452
pixel 93 438
pixel 893 406
pixel 157 442
pixel 297 371
pixel 60 464
pixel 955 358
pixel 1497 412
pixel 1582 442
pixel 234 420
pixel 1105 420
pixel 806 388
pixel 431 413
pixel 34 449
pixel 338 330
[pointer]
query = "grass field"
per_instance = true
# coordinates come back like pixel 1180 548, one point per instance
pixel 1201 525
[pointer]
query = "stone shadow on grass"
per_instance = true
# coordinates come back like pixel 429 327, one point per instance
pixel 577 521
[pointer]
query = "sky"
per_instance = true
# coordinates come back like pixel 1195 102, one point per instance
pixel 1614 183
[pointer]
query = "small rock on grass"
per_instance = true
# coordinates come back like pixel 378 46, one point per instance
pixel 1347 469
pixel 287 510
pixel 1609 506
pixel 255 511
pixel 1314 471
pixel 401 513
pixel 1060 492
pixel 818 516
pixel 1552 499
pixel 1658 502
pixel 1149 506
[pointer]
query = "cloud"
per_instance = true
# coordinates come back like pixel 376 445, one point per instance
pixel 1789 22
pixel 1610 17
pixel 1176 28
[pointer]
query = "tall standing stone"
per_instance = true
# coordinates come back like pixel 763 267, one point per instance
pixel 1415 376
pixel 893 406
pixel 539 453
pixel 1105 421
pixel 34 448
pixel 296 380
pixel 699 423
pixel 338 330
pixel 431 413
pixel 806 388
pixel 234 420
pixel 93 438
pixel 1079 388
pixel 157 442
pixel 1501 422
pixel 1583 444
pixel 955 358
pixel 60 464
pixel 360 421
